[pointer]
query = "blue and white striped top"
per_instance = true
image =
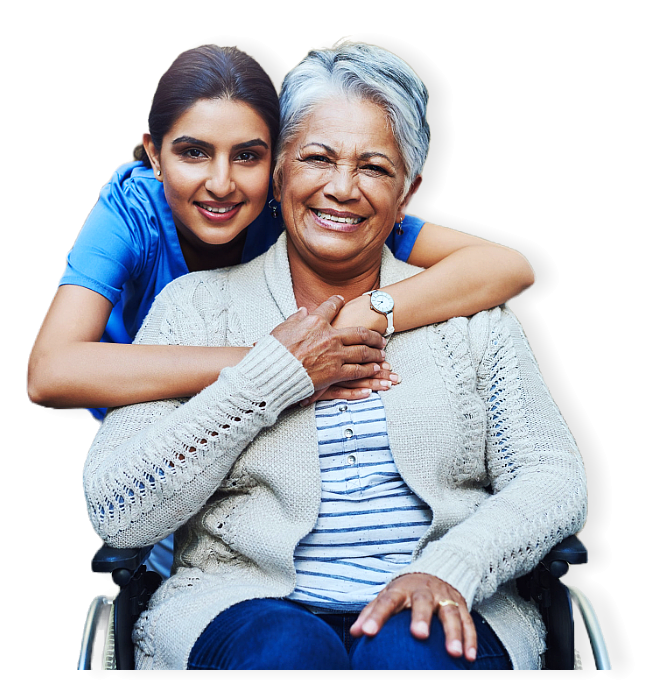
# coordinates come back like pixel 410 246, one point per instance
pixel 369 521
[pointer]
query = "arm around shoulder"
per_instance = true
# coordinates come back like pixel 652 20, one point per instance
pixel 463 275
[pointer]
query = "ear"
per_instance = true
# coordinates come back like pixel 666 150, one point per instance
pixel 401 213
pixel 153 155
pixel 276 185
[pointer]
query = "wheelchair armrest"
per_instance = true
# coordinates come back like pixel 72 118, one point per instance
pixel 571 551
pixel 121 563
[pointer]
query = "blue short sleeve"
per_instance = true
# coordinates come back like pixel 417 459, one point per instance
pixel 106 252
pixel 401 243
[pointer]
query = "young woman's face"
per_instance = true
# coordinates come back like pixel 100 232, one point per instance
pixel 215 164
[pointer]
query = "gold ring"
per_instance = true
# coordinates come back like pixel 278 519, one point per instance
pixel 448 602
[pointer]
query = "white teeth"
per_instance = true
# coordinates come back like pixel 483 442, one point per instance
pixel 215 210
pixel 334 218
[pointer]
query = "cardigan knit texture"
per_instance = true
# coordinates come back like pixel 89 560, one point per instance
pixel 235 472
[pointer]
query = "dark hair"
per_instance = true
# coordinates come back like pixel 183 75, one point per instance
pixel 210 72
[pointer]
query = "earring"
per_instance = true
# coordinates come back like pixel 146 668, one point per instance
pixel 273 208
pixel 400 229
pixel 158 172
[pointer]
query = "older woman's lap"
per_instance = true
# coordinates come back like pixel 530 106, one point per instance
pixel 264 634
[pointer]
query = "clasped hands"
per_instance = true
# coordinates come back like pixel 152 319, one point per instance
pixel 349 363
pixel 343 363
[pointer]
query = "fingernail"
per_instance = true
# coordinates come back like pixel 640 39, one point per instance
pixel 470 653
pixel 386 366
pixel 366 391
pixel 376 368
pixel 341 297
pixel 456 647
pixel 421 628
pixel 386 383
pixel 370 626
pixel 395 377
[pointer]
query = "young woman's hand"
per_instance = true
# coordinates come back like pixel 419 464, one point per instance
pixel 357 389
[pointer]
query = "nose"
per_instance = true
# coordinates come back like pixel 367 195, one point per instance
pixel 219 181
pixel 342 184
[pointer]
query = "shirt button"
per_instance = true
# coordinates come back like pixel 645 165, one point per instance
pixel 352 459
pixel 348 432
pixel 343 407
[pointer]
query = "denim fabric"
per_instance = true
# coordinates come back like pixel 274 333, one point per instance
pixel 264 634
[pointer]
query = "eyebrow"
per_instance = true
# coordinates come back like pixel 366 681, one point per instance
pixel 202 143
pixel 364 155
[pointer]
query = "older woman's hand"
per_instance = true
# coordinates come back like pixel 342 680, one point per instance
pixel 423 594
pixel 331 355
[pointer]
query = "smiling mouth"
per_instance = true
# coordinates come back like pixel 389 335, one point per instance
pixel 341 219
pixel 226 209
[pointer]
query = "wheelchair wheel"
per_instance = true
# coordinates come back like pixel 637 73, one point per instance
pixel 97 643
pixel 109 653
pixel 593 629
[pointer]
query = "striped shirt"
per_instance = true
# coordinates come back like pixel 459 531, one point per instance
pixel 369 521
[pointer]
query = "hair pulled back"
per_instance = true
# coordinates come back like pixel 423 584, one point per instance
pixel 210 72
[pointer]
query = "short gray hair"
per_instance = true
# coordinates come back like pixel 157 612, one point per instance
pixel 361 71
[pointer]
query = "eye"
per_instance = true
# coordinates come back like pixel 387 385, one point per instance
pixel 193 153
pixel 246 156
pixel 375 170
pixel 315 159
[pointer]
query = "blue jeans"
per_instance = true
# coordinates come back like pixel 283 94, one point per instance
pixel 273 634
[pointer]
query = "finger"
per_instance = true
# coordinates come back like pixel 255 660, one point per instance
pixel 338 392
pixel 362 354
pixel 354 372
pixel 385 605
pixel 301 312
pixel 452 626
pixel 313 398
pixel 470 635
pixel 391 378
pixel 329 308
pixel 356 335
pixel 422 609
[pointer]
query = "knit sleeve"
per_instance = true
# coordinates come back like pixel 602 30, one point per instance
pixel 154 465
pixel 536 474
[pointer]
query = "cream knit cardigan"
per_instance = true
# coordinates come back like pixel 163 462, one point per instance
pixel 235 472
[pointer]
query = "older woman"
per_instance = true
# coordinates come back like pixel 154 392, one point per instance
pixel 380 534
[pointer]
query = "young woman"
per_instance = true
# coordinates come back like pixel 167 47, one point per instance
pixel 198 198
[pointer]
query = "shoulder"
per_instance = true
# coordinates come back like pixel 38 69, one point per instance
pixel 212 288
pixel 393 270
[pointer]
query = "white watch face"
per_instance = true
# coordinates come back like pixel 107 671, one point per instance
pixel 382 302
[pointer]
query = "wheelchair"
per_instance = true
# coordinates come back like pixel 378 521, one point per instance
pixel 107 637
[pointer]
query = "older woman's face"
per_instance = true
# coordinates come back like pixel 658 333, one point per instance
pixel 342 180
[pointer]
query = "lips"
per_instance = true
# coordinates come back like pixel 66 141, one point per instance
pixel 220 210
pixel 337 220
pixel 217 214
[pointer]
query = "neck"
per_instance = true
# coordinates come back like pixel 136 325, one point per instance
pixel 313 285
pixel 211 256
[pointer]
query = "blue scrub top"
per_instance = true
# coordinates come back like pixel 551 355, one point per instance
pixel 128 249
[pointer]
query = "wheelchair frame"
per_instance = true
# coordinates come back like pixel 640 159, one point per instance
pixel 543 585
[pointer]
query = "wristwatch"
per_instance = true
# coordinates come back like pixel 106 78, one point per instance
pixel 383 303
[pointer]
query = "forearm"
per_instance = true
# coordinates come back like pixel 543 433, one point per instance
pixel 91 375
pixel 467 281
pixel 154 465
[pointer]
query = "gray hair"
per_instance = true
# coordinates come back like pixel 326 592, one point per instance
pixel 361 71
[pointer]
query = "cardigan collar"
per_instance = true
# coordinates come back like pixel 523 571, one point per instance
pixel 279 279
